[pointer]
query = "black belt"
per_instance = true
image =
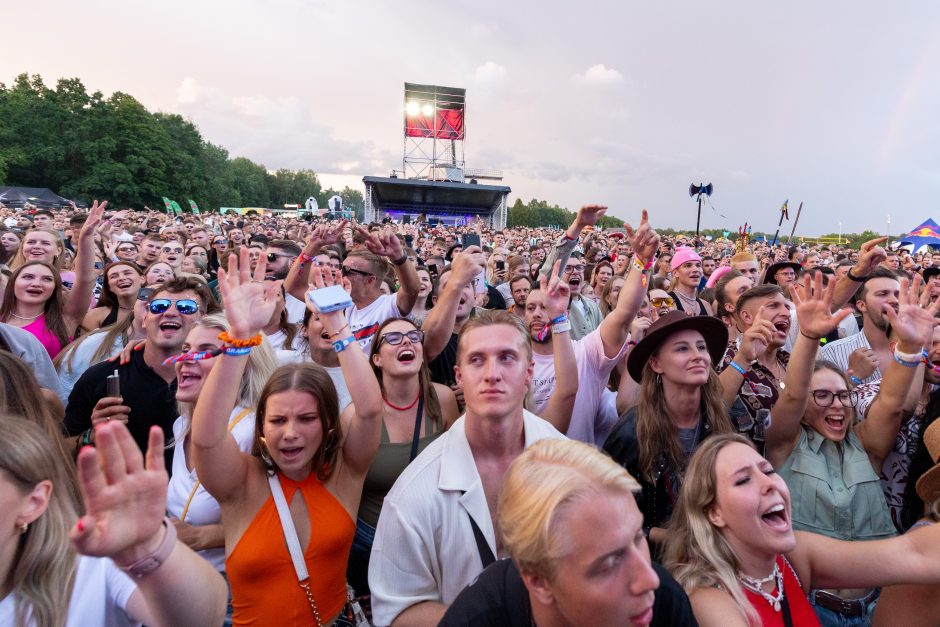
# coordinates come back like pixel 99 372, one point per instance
pixel 845 607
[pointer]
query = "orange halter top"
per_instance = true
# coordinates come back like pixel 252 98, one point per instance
pixel 265 590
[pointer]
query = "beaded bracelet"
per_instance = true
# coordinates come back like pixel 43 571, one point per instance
pixel 337 333
pixel 252 341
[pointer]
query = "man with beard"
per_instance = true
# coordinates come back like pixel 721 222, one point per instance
pixel 755 364
pixel 879 291
pixel 597 353
pixel 708 266
pixel 281 254
pixel 932 281
pixel 686 268
pixel 147 384
pixel 520 286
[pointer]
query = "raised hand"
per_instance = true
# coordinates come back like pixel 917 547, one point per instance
pixel 324 235
pixel 869 256
pixel 555 292
pixel 467 265
pixel 912 323
pixel 333 321
pixel 124 501
pixel 638 328
pixel 249 300
pixel 755 340
pixel 588 215
pixel 814 306
pixel 93 220
pixel 383 243
pixel 644 240
pixel 862 363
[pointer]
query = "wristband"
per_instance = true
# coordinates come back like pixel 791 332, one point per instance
pixel 562 318
pixel 236 351
pixel 401 260
pixel 561 327
pixel 639 265
pixel 810 337
pixel 252 341
pixel 855 379
pixel 149 563
pixel 304 259
pixel 738 367
pixel 908 360
pixel 857 279
pixel 340 345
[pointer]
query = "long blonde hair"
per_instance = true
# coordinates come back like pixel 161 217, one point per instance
pixel 696 553
pixel 656 433
pixel 58 260
pixel 43 571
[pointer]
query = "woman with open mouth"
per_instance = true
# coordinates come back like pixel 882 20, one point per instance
pixel 122 281
pixel 831 467
pixel 733 547
pixel 41 245
pixel 294 499
pixel 416 411
pixel 35 300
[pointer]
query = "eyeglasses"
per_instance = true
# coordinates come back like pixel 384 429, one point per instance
pixel 578 268
pixel 220 242
pixel 145 293
pixel 272 257
pixel 662 302
pixel 187 306
pixel 347 271
pixel 824 398
pixel 170 249
pixel 395 337
pixel 127 249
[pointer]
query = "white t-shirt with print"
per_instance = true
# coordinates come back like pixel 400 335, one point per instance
pixel 99 597
pixel 588 422
pixel 365 322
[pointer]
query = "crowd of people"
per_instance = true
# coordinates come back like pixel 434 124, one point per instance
pixel 268 420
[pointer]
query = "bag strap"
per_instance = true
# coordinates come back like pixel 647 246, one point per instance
pixel 417 433
pixel 231 426
pixel 483 547
pixel 290 532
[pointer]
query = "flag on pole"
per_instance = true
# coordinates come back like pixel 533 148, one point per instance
pixel 784 211
pixel 176 207
pixel 166 202
pixel 193 206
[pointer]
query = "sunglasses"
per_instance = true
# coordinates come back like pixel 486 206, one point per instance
pixel 170 249
pixel 145 293
pixel 187 306
pixel 660 302
pixel 395 337
pixel 824 398
pixel 347 271
pixel 220 242
pixel 67 284
pixel 272 257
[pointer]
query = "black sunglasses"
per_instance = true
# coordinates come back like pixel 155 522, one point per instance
pixel 187 306
pixel 220 242
pixel 347 271
pixel 272 257
pixel 170 249
pixel 395 337
pixel 145 293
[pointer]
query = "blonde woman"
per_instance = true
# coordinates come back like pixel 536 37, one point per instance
pixel 733 548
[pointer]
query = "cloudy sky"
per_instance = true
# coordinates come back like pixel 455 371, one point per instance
pixel 831 103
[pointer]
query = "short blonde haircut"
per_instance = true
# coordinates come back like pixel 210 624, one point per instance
pixel 489 317
pixel 541 483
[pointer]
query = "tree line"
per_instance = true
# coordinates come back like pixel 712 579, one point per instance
pixel 85 146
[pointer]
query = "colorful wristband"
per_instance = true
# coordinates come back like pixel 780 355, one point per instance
pixel 340 345
pixel 908 360
pixel 737 367
pixel 235 352
pixel 562 318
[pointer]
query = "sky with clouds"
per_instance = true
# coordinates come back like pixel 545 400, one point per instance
pixel 830 103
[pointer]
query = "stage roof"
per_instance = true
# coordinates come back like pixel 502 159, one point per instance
pixel 421 195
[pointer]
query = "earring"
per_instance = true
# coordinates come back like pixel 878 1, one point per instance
pixel 24 527
pixel 659 379
pixel 265 454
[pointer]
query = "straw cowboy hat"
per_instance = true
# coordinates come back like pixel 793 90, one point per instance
pixel 928 486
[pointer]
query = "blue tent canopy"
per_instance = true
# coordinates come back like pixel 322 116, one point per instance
pixel 925 234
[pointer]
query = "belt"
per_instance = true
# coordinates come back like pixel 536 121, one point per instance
pixel 845 607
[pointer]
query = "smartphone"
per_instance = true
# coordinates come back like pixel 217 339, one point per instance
pixel 500 265
pixel 470 239
pixel 327 299
pixel 114 384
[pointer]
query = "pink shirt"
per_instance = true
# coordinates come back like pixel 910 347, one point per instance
pixel 46 337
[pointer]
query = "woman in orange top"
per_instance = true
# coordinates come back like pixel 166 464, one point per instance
pixel 319 457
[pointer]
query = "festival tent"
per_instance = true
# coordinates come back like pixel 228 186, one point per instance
pixel 18 197
pixel 926 234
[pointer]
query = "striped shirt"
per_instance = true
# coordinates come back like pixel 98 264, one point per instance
pixel 838 353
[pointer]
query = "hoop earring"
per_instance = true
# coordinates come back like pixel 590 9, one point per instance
pixel 265 454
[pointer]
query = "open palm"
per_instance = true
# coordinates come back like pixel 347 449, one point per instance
pixel 912 322
pixel 814 306
pixel 249 300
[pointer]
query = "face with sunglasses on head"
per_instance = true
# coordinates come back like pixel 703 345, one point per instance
pixel 170 317
pixel 661 303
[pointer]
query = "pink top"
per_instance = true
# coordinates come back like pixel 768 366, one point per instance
pixel 46 337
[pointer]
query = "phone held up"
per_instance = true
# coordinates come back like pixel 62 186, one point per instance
pixel 329 299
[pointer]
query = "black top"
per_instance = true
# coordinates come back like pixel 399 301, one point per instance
pixel 498 598
pixel 441 367
pixel 151 400
pixel 111 318
pixel 680 306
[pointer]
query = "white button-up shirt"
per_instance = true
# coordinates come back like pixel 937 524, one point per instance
pixel 424 546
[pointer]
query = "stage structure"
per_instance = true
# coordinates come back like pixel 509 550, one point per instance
pixel 434 181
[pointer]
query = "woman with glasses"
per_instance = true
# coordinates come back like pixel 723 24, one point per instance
pixel 661 303
pixel 171 253
pixel 35 301
pixel 122 280
pixel 415 412
pixel 832 467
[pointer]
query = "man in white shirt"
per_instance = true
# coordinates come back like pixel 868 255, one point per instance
pixel 436 534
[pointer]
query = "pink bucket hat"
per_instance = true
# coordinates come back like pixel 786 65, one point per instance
pixel 717 274
pixel 684 254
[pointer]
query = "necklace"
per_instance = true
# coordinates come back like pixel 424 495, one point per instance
pixel 27 317
pixel 757 586
pixel 413 403
pixel 692 300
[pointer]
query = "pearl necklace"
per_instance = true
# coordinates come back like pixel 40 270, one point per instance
pixel 757 586
pixel 27 317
